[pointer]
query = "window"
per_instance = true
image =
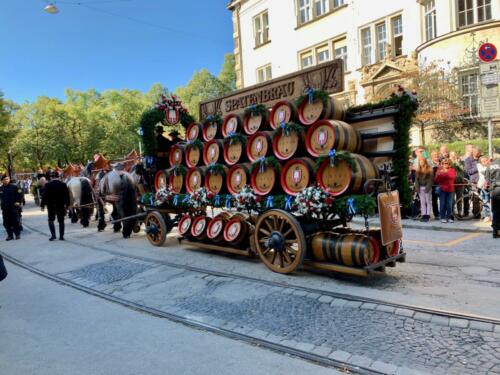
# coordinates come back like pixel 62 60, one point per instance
pixel 261 28
pixel 338 3
pixel 469 90
pixel 381 41
pixel 264 73
pixel 321 7
pixel 473 11
pixel 340 51
pixel 305 11
pixel 322 54
pixel 306 60
pixel 366 39
pixel 430 20
pixel 397 36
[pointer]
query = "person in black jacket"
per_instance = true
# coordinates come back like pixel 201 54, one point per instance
pixel 56 199
pixel 11 198
pixel 493 179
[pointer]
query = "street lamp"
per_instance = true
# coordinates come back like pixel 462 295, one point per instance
pixel 51 8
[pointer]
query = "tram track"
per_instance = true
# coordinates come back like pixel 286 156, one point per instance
pixel 336 295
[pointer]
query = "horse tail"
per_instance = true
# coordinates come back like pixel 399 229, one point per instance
pixel 86 198
pixel 128 202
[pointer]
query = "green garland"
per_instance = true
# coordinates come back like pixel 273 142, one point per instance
pixel 402 123
pixel 316 94
pixel 290 127
pixel 147 124
pixel 216 169
pixel 270 161
pixel 364 205
pixel 340 155
pixel 236 138
pixel 195 144
pixel 179 170
pixel 213 119
pixel 186 118
pixel 256 110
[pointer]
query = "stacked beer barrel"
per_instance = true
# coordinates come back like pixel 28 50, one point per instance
pixel 243 139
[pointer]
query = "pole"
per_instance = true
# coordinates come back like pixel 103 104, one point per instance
pixel 490 137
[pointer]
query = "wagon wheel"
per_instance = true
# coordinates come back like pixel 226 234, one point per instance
pixel 280 241
pixel 156 228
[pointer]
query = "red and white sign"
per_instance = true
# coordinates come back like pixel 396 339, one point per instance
pixel 487 52
pixel 172 116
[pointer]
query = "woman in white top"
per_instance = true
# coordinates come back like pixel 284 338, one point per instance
pixel 482 186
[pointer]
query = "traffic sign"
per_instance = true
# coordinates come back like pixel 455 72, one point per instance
pixel 487 52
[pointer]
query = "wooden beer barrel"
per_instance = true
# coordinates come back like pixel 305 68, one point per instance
pixel 199 227
pixel 259 145
pixel 325 135
pixel 309 113
pixel 339 179
pixel 255 123
pixel 161 179
pixel 215 229
pixel 237 177
pixel 193 131
pixel 193 155
pixel 234 153
pixel 282 112
pixel 231 124
pixel 236 230
pixel 264 182
pixel 185 226
pixel 209 131
pixel 215 182
pixel 213 151
pixel 296 175
pixel 194 179
pixel 287 146
pixel 175 154
pixel 354 250
pixel 166 178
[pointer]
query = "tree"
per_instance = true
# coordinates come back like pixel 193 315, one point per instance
pixel 7 130
pixel 227 73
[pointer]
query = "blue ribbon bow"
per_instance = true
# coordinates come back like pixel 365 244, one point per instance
pixel 288 202
pixel 262 166
pixel 350 206
pixel 228 201
pixel 231 134
pixel 175 171
pixel 210 118
pixel 151 200
pixel 186 199
pixel 176 200
pixel 310 94
pixel 269 203
pixel 331 155
pixel 217 200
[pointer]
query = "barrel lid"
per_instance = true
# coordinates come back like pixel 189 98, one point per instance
pixel 211 152
pixel 215 227
pixel 320 138
pixel 199 226
pixel 185 224
pixel 309 113
pixel 230 124
pixel 192 131
pixel 285 146
pixel 252 124
pixel 175 157
pixel 232 152
pixel 257 146
pixel 334 179
pixel 192 156
pixel 176 182
pixel 214 182
pixel 282 112
pixel 236 179
pixel 263 182
pixel 232 229
pixel 295 176
pixel 194 179
pixel 161 179
pixel 209 131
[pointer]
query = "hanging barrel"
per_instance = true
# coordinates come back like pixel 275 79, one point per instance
pixel 282 112
pixel 231 124
pixel 264 182
pixel 253 123
pixel 310 112
pixel 166 178
pixel 194 179
pixel 237 177
pixel 287 146
pixel 213 152
pixel 339 178
pixel 161 179
pixel 209 131
pixel 185 226
pixel 193 155
pixel 325 135
pixel 259 145
pixel 236 230
pixel 193 131
pixel 215 229
pixel 214 182
pixel 354 250
pixel 199 227
pixel 234 153
pixel 175 154
pixel 296 175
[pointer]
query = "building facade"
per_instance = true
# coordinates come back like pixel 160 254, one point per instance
pixel 380 41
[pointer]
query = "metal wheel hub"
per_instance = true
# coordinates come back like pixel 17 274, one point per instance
pixel 152 229
pixel 276 241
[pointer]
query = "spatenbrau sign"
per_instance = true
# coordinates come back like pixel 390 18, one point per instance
pixel 328 77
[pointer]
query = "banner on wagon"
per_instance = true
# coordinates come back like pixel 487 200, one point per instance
pixel 390 217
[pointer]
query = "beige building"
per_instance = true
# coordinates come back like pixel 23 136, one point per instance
pixel 379 41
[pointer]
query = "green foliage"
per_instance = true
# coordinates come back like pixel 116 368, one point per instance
pixel 214 119
pixel 316 95
pixel 459 146
pixel 256 110
pixel 364 205
pixel 227 73
pixel 340 155
pixel 270 161
pixel 236 138
pixel 195 144
pixel 289 128
pixel 8 130
pixel 179 170
pixel 148 122
pixel 216 169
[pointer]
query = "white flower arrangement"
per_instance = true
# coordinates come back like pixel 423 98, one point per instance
pixel 199 198
pixel 246 199
pixel 163 195
pixel 313 201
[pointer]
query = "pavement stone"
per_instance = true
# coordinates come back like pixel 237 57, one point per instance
pixel 424 317
pixel 360 360
pixel 459 323
pixel 304 346
pixel 405 312
pixel 323 351
pixel 386 308
pixel 368 306
pixel 481 326
pixel 383 367
pixel 313 295
pixel 325 299
pixel 339 302
pixel 496 328
pixel 353 304
pixel 440 320
pixel 340 355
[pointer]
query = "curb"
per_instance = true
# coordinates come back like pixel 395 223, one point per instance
pixel 407 223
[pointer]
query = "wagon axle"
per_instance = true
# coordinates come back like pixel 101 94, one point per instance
pixel 276 241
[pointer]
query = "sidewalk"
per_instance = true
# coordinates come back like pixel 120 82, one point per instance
pixel 474 226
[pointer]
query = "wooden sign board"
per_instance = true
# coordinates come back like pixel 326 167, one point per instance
pixel 390 217
pixel 328 76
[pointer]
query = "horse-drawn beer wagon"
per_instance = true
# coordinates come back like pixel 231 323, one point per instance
pixel 279 169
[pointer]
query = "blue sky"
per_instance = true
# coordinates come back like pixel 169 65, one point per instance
pixel 89 46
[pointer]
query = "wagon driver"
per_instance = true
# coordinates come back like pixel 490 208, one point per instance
pixel 56 198
pixel 11 198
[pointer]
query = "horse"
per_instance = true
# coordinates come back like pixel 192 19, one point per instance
pixel 118 188
pixel 81 200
